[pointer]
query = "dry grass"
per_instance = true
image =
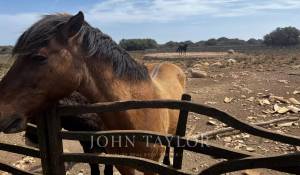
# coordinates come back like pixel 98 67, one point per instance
pixel 5 62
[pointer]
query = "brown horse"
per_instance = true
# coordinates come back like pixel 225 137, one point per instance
pixel 60 54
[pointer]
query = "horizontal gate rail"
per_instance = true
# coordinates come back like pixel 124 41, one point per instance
pixel 15 171
pixel 135 162
pixel 20 150
pixel 198 146
pixel 175 104
pixel 289 163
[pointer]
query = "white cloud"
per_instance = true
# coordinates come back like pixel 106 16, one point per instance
pixel 141 11
pixel 159 11
pixel 131 11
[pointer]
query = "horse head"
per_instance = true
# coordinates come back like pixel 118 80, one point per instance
pixel 48 67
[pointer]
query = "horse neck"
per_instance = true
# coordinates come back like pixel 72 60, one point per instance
pixel 100 84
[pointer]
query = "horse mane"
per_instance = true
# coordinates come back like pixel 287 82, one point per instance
pixel 94 44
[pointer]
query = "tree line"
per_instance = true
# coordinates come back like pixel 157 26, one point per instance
pixel 286 36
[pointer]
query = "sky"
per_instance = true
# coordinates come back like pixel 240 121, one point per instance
pixel 162 20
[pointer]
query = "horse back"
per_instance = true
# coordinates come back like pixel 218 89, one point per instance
pixel 169 78
pixel 170 81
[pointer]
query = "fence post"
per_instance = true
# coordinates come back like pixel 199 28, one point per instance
pixel 180 131
pixel 50 143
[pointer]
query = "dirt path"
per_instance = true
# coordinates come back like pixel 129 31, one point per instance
pixel 189 55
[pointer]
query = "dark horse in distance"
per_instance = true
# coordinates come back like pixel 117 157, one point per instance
pixel 182 48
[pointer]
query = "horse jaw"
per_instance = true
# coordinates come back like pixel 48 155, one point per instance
pixel 12 123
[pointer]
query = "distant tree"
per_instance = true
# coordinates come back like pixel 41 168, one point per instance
pixel 171 44
pixel 222 39
pixel 286 36
pixel 200 43
pixel 6 49
pixel 211 42
pixel 261 41
pixel 138 44
pixel 176 44
pixel 188 42
pixel 235 41
pixel 254 41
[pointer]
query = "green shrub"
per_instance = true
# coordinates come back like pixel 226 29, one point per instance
pixel 254 41
pixel 138 44
pixel 211 42
pixel 286 36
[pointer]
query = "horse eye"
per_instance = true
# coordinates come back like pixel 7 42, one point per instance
pixel 40 59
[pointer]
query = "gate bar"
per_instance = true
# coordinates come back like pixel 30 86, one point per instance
pixel 180 131
pixel 50 143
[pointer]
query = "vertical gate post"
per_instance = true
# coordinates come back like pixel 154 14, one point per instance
pixel 180 131
pixel 50 143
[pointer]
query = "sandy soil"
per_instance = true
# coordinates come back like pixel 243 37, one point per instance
pixel 188 55
pixel 245 79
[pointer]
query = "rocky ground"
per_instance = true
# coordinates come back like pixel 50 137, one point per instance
pixel 253 87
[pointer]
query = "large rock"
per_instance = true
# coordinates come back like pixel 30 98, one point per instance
pixel 217 64
pixel 197 73
pixel 231 51
pixel 205 64
pixel 197 66
pixel 231 61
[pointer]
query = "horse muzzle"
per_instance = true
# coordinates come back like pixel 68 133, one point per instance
pixel 12 123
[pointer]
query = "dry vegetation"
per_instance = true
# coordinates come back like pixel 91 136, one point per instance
pixel 249 86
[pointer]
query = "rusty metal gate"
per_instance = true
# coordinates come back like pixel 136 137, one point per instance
pixel 52 156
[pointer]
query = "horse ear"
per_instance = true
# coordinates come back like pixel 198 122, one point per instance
pixel 71 27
